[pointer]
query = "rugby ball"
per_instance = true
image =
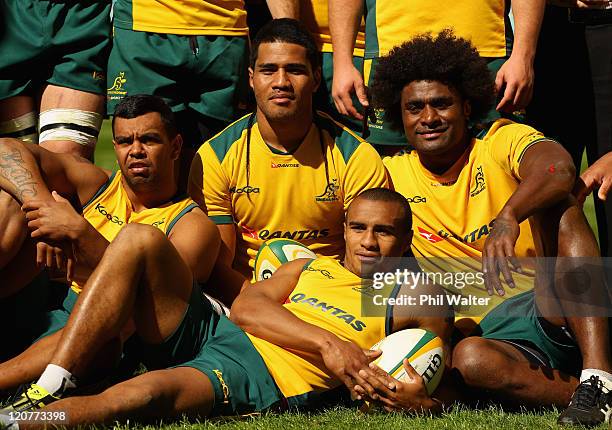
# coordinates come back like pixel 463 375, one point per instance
pixel 422 348
pixel 275 252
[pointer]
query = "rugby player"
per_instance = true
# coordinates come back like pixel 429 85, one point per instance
pixel 293 354
pixel 283 171
pixel 192 53
pixel 144 190
pixel 52 65
pixel 388 23
pixel 472 193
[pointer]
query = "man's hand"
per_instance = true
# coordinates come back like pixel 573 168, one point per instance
pixel 348 80
pixel 53 221
pixel 599 175
pixel 498 254
pixel 348 362
pixel 396 396
pixel 516 78
pixel 58 258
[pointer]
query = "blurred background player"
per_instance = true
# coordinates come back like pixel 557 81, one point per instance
pixel 388 23
pixel 315 16
pixel 193 54
pixel 285 170
pixel 576 46
pixel 52 72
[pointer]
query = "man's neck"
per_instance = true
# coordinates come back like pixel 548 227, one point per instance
pixel 286 135
pixel 441 163
pixel 147 196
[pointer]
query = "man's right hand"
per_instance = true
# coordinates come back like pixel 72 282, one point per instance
pixel 345 360
pixel 348 80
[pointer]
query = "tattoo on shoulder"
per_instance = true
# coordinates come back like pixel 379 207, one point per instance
pixel 14 170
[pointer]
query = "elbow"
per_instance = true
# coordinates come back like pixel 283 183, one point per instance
pixel 239 314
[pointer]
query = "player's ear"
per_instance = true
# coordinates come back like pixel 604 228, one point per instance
pixel 251 77
pixel 467 108
pixel 177 144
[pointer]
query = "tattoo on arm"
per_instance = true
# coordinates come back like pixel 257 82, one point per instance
pixel 14 170
pixel 499 229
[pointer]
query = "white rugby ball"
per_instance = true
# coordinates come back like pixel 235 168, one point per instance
pixel 422 348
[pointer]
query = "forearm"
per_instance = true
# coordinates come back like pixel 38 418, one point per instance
pixel 548 178
pixel 344 19
pixel 20 173
pixel 528 16
pixel 89 247
pixel 268 320
pixel 284 8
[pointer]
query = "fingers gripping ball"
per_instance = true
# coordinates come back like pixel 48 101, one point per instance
pixel 275 252
pixel 422 348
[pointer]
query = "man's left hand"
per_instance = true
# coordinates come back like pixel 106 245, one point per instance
pixel 397 396
pixel 498 254
pixel 53 221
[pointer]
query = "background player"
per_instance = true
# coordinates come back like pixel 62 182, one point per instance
pixel 474 195
pixel 282 171
pixel 52 61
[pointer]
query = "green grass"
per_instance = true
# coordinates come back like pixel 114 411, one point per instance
pixel 349 419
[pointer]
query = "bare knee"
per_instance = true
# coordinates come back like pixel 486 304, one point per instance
pixel 131 399
pixel 481 365
pixel 139 237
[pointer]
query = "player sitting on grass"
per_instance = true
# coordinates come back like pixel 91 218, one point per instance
pixel 283 171
pixel 143 191
pixel 473 191
pixel 292 354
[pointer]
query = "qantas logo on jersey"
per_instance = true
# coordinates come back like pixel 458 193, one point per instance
pixel 473 236
pixel 281 165
pixel 248 231
pixel 329 309
pixel 480 184
pixel 428 236
pixel 295 235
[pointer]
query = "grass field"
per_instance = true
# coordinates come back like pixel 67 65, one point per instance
pixel 348 419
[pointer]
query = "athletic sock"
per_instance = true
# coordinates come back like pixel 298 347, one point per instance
pixel 56 380
pixel 604 377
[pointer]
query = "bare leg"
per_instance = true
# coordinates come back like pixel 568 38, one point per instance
pixel 159 394
pixel 14 107
pixel 141 275
pixel 67 98
pixel 507 377
pixel 13 228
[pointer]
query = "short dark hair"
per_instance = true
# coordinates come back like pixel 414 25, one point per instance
pixel 444 58
pixel 286 30
pixel 140 104
pixel 387 195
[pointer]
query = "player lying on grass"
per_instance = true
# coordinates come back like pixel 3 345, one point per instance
pixel 285 170
pixel 293 354
pixel 142 191
pixel 475 193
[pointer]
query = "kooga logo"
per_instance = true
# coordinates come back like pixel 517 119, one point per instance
pixel 244 190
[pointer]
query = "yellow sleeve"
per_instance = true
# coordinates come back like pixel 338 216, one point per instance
pixel 209 186
pixel 364 170
pixel 508 142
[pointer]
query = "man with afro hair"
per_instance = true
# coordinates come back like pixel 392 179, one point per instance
pixel 472 190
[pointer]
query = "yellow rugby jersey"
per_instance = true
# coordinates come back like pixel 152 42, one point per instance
pixel 390 23
pixel 300 196
pixel 188 17
pixel 110 209
pixel 314 15
pixel 453 213
pixel 329 296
